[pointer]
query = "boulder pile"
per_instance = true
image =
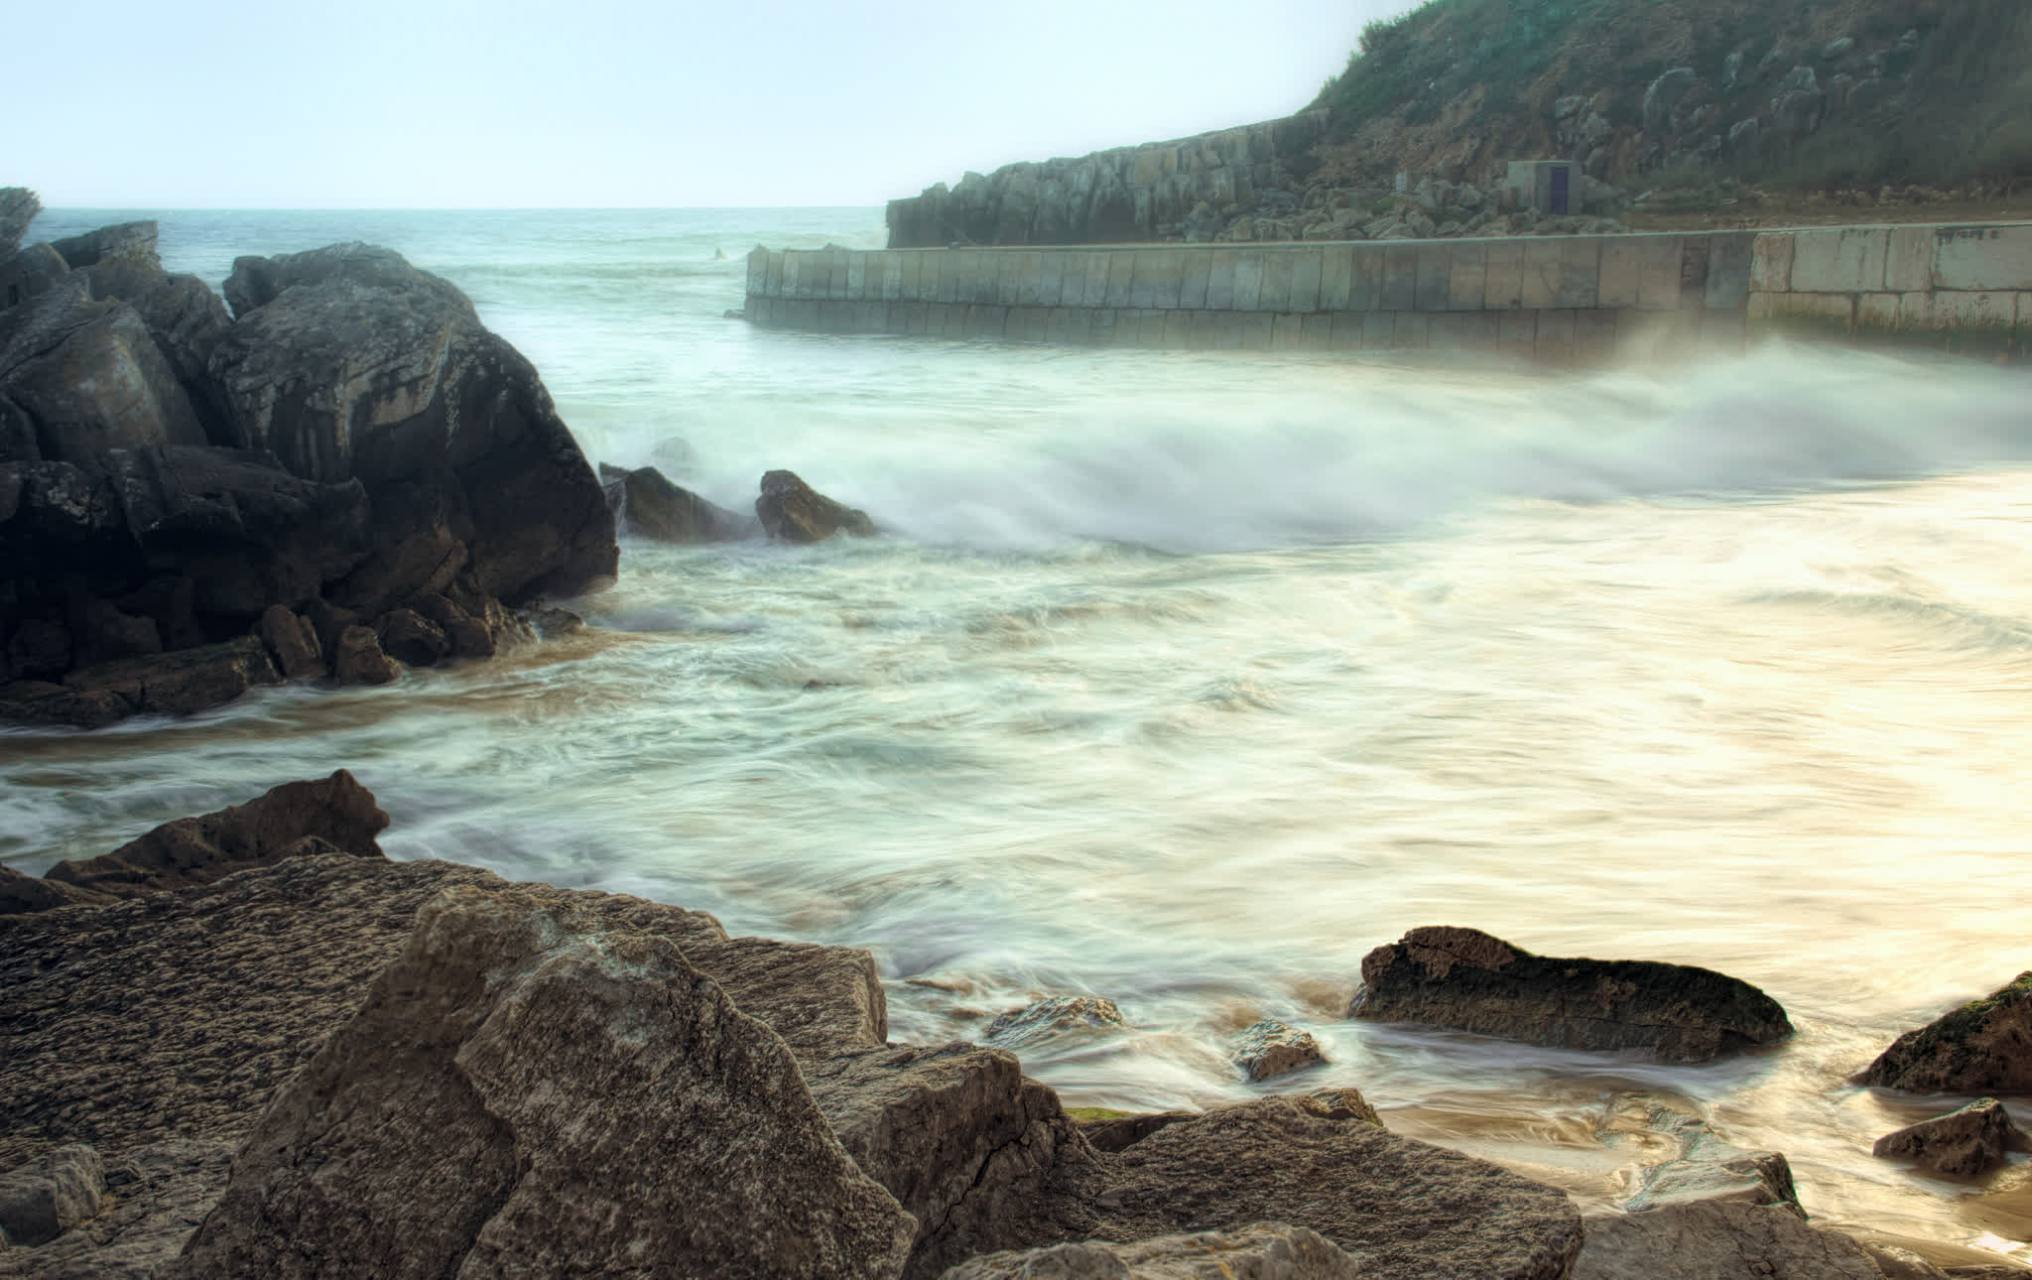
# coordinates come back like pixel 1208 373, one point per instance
pixel 346 467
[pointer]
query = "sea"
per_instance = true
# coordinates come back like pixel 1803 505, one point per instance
pixel 1186 678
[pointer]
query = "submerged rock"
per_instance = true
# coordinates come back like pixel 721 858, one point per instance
pixel 1055 1015
pixel 793 511
pixel 1983 1047
pixel 334 814
pixel 1964 1142
pixel 1263 1250
pixel 576 1099
pixel 1467 980
pixel 1708 1168
pixel 1270 1049
pixel 649 506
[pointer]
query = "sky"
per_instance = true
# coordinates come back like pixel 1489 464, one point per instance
pixel 611 103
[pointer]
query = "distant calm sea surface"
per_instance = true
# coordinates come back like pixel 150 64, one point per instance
pixel 1186 678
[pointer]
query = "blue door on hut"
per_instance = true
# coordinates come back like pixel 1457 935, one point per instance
pixel 1560 176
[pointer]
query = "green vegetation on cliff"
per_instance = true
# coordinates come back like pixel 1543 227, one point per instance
pixel 1790 92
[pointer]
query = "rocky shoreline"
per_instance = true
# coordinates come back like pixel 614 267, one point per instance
pixel 333 473
pixel 249 1044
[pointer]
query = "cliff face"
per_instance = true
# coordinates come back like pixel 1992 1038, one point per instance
pixel 1802 94
pixel 1119 196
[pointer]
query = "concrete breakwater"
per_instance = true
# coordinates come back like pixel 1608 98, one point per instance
pixel 1964 288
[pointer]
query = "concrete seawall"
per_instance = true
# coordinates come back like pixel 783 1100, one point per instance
pixel 1555 298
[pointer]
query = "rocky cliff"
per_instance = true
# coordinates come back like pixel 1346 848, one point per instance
pixel 345 466
pixel 1881 95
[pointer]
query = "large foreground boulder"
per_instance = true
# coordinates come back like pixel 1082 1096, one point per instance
pixel 348 362
pixel 602 1106
pixel 1719 1240
pixel 1260 1251
pixel 793 511
pixel 1985 1046
pixel 1967 1141
pixel 1467 980
pixel 1404 1210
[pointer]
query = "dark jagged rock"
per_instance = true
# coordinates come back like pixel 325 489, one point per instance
pixel 18 207
pixel 412 639
pixel 649 506
pixel 28 274
pixel 1268 1250
pixel 606 1109
pixel 347 362
pixel 792 511
pixel 337 812
pixel 1985 1046
pixel 1964 1142
pixel 122 241
pixel 292 642
pixel 174 683
pixel 80 377
pixel 1266 1161
pixel 357 658
pixel 1270 1049
pixel 1467 980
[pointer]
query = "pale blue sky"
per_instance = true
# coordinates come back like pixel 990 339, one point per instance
pixel 520 103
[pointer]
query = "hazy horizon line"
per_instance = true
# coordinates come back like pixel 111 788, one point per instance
pixel 439 208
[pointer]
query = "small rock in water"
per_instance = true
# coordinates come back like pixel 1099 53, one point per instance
pixel 1052 1017
pixel 793 511
pixel 1983 1047
pixel 650 506
pixel 360 660
pixel 1964 1142
pixel 1708 1168
pixel 1271 1048
pixel 1467 980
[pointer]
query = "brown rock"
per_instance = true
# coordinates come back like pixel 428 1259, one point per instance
pixel 293 642
pixel 412 639
pixel 43 1199
pixel 576 1100
pixel 1467 980
pixel 337 812
pixel 1983 1047
pixel 158 1193
pixel 793 511
pixel 1270 1049
pixel 1718 1240
pixel 181 681
pixel 358 659
pixel 1259 1251
pixel 983 1158
pixel 21 894
pixel 1118 1133
pixel 1964 1142
pixel 1268 1161
pixel 649 506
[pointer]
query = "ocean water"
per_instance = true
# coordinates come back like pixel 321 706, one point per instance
pixel 1187 678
